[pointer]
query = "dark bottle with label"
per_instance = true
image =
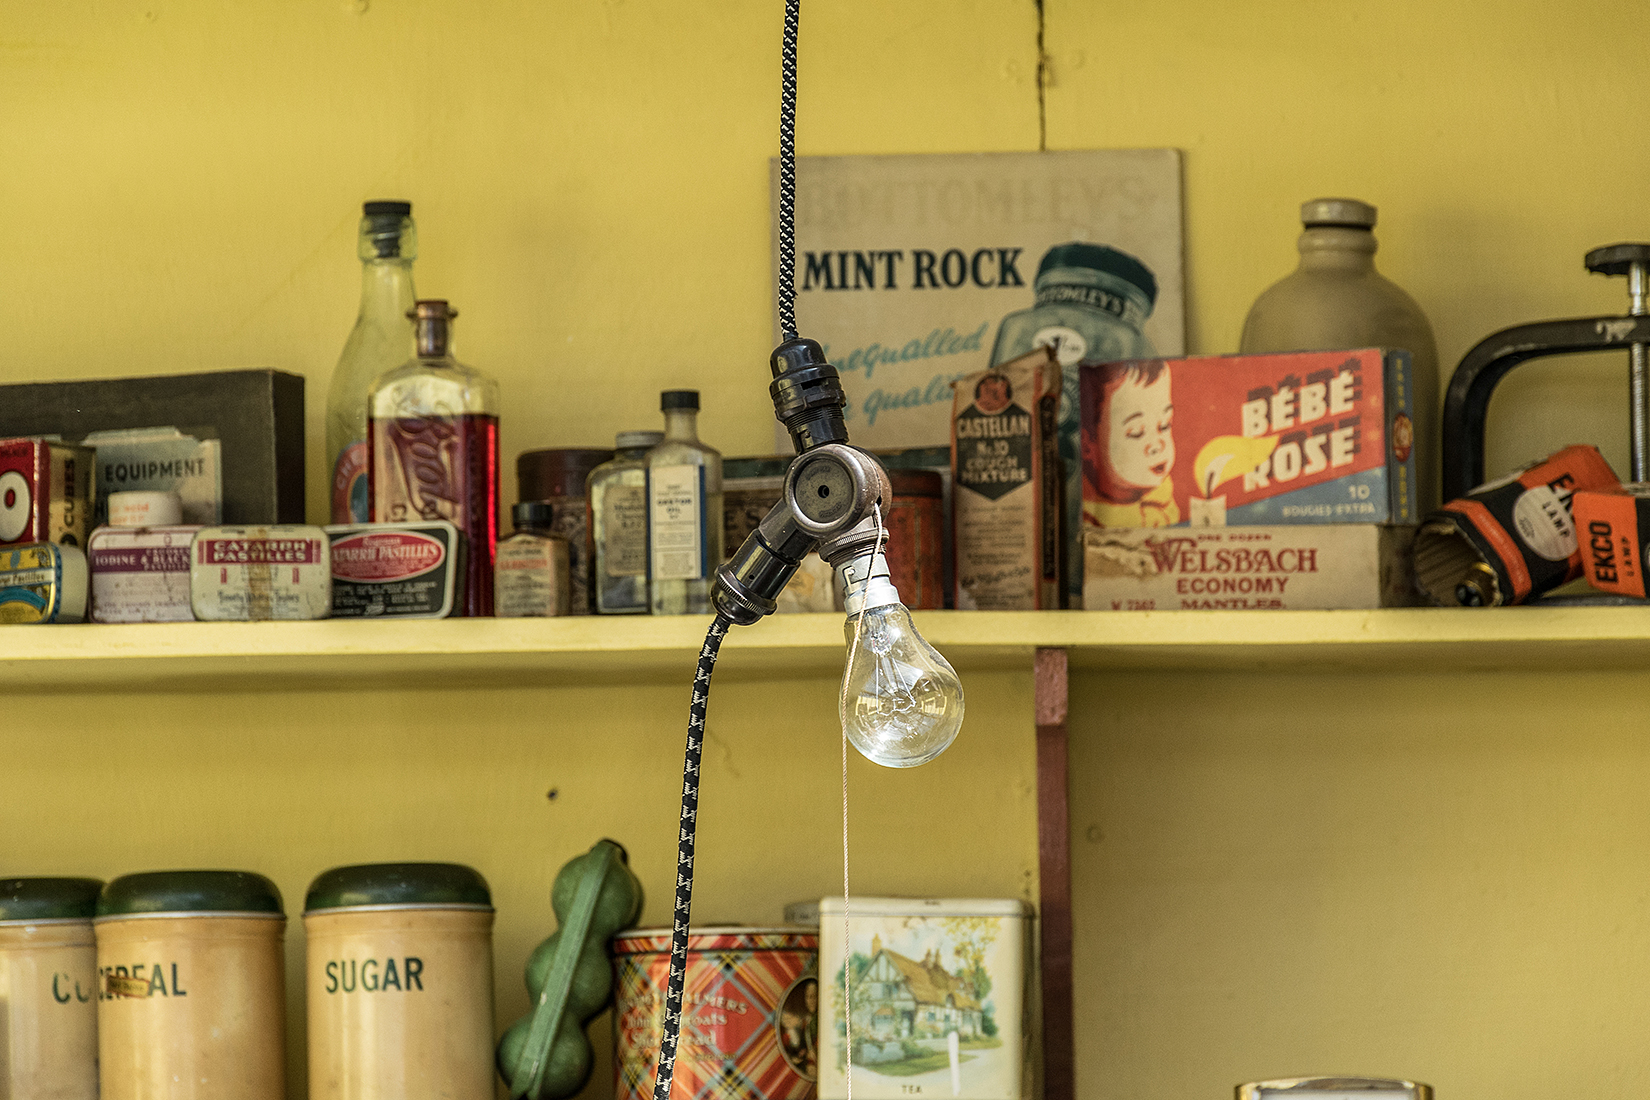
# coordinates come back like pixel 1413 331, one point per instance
pixel 1337 300
pixel 432 436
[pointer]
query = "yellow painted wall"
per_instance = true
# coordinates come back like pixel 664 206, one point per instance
pixel 291 784
pixel 180 192
pixel 1439 877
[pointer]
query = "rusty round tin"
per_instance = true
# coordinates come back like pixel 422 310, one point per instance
pixel 399 983
pixel 916 551
pixel 191 986
pixel 48 988
pixel 748 1023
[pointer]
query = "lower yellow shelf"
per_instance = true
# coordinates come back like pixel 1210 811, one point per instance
pixel 207 656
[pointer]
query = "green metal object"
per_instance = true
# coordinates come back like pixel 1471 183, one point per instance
pixel 189 892
pixel 546 1055
pixel 48 898
pixel 437 884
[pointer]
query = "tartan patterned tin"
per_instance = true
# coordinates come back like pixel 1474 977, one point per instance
pixel 749 1014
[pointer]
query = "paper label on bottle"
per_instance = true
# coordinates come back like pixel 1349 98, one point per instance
pixel 676 532
pixel 624 531
pixel 526 581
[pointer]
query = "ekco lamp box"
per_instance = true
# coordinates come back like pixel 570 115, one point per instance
pixel 1316 437
pixel 938 998
pixel 916 270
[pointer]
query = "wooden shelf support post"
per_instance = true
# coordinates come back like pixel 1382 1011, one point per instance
pixel 1054 874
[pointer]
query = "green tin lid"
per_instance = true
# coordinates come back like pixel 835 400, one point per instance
pixel 49 898
pixel 439 884
pixel 189 892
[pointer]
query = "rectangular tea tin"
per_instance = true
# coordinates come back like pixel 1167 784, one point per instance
pixel 938 998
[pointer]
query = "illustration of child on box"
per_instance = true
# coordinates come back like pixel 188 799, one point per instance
pixel 1129 455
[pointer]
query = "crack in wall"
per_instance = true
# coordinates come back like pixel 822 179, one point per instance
pixel 1042 82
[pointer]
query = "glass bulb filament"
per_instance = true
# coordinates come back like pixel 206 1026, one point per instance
pixel 904 703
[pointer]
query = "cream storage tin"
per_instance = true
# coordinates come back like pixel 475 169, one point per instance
pixel 190 973
pixel 48 988
pixel 399 979
pixel 938 998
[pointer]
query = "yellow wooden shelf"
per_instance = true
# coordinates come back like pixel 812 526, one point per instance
pixel 481 652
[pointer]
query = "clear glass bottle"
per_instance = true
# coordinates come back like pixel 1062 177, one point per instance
pixel 684 511
pixel 432 435
pixel 531 568
pixel 380 340
pixel 1337 300
pixel 616 496
pixel 1091 303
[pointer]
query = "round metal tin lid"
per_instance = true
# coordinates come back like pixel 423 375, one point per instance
pixel 35 899
pixel 189 892
pixel 440 884
pixel 653 941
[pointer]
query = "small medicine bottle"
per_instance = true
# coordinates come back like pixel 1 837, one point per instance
pixel 531 572
pixel 617 496
pixel 684 511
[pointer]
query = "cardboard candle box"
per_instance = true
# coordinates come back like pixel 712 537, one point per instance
pixel 1283 568
pixel 1321 437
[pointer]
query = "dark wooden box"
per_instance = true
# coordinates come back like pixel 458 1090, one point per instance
pixel 258 414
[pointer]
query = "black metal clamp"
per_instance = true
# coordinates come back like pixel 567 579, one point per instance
pixel 1467 402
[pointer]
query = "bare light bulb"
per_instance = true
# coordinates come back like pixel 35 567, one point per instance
pixel 902 701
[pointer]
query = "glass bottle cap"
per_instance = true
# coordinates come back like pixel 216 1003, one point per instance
pixel 1098 257
pixel 386 207
pixel 49 898
pixel 189 892
pixel 444 884
pixel 679 399
pixel 630 441
pixel 1348 213
pixel 529 515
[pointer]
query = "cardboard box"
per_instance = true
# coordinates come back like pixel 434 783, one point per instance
pixel 1005 478
pixel 163 460
pixel 257 414
pixel 1284 568
pixel 47 492
pixel 1320 437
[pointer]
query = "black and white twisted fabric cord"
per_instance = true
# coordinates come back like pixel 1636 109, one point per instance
pixel 684 858
pixel 787 176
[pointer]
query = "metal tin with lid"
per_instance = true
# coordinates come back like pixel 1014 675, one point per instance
pixel 48 988
pixel 939 988
pixel 748 1018
pixel 399 979
pixel 190 978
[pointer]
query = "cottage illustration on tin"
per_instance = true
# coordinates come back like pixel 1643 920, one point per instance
pixel 907 1005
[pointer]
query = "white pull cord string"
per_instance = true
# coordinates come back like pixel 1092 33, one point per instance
pixel 842 716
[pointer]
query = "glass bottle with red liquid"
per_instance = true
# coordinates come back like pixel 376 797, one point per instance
pixel 432 438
